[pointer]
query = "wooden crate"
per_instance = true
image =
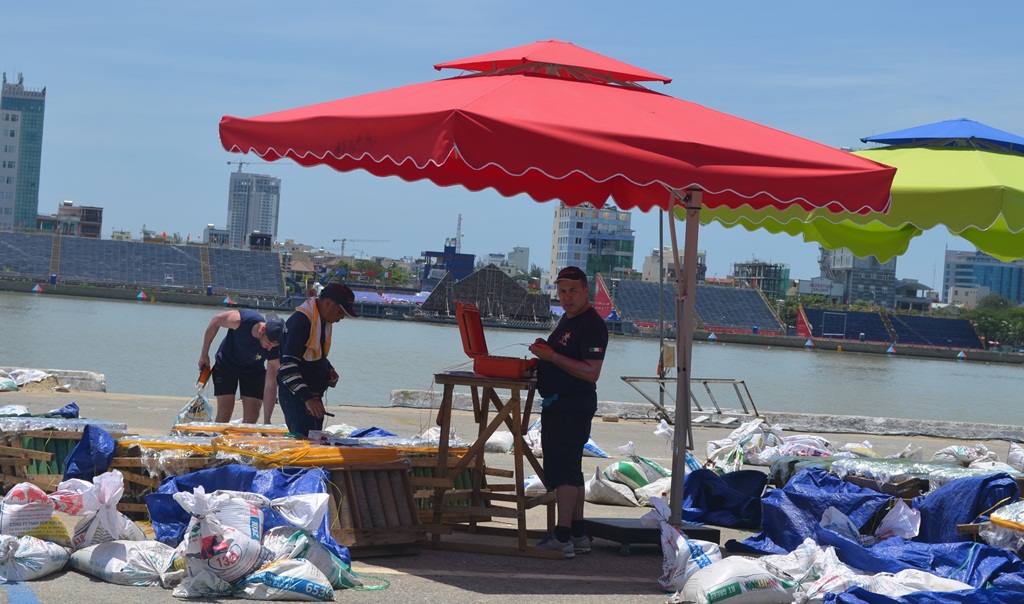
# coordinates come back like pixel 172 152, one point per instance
pixel 906 489
pixel 372 509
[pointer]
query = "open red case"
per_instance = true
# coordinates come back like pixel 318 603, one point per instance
pixel 472 331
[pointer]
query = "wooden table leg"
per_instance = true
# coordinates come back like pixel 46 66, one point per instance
pixel 481 411
pixel 520 477
pixel 444 420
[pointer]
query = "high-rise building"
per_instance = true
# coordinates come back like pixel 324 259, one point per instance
pixel 862 279
pixel 771 278
pixel 21 152
pixel 254 201
pixel 597 241
pixel 965 270
pixel 519 257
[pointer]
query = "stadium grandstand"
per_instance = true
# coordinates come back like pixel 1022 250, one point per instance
pixel 719 309
pixel 186 268
pixel 887 328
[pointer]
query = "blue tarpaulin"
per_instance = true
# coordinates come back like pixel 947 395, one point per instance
pixel 732 500
pixel 91 456
pixel 792 513
pixel 962 501
pixel 858 595
pixel 170 520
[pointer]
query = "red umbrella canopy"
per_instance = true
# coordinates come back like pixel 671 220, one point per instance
pixel 556 121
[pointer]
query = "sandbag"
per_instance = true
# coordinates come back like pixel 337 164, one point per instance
pixel 627 473
pixel 682 557
pixel 736 580
pixel 27 558
pixel 27 510
pixel 91 530
pixel 600 490
pixel 209 545
pixel 289 542
pixel 140 563
pixel 291 579
pixel 659 488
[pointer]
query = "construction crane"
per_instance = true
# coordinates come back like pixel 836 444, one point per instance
pixel 240 164
pixel 343 240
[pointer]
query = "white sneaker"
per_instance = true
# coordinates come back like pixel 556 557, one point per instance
pixel 552 543
pixel 581 544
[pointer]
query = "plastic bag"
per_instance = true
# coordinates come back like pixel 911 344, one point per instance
pixel 901 521
pixel 27 558
pixel 196 410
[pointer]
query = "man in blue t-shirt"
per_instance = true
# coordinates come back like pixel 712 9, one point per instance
pixel 568 366
pixel 250 340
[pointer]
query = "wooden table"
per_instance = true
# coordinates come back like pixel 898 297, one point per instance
pixel 484 500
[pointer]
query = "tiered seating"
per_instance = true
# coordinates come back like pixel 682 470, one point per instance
pixel 25 256
pixel 369 297
pixel 847 325
pixel 406 298
pixel 732 308
pixel 934 331
pixel 246 272
pixel 130 263
pixel 718 307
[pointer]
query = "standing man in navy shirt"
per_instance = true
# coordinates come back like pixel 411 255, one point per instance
pixel 567 371
pixel 306 373
pixel 239 366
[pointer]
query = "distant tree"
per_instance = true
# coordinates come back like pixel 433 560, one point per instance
pixel 995 302
pixel 535 271
pixel 788 309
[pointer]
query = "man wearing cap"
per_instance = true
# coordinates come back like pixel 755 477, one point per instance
pixel 569 364
pixel 250 340
pixel 305 371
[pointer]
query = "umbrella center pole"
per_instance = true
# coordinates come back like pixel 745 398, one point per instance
pixel 686 282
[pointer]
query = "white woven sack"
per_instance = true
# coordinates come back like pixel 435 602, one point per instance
pixel 658 488
pixel 628 473
pixel 600 490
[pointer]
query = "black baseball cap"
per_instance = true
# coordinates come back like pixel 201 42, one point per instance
pixel 275 328
pixel 341 294
pixel 572 272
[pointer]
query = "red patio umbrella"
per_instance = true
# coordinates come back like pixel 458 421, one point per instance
pixel 556 121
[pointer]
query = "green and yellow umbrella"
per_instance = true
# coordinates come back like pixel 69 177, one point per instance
pixel 976 193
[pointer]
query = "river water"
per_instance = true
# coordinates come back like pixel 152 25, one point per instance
pixel 151 348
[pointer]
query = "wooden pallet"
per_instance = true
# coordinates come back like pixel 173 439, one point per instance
pixel 372 509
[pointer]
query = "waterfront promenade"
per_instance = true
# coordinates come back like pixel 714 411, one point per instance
pixel 445 576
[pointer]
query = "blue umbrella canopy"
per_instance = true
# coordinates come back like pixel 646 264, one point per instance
pixel 952 133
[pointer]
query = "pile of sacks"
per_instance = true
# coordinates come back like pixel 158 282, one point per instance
pixel 757 443
pixel 697 572
pixel 225 550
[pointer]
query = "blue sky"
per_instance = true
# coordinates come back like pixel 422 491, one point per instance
pixel 135 92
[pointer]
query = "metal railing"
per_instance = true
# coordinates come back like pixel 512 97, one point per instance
pixel 706 409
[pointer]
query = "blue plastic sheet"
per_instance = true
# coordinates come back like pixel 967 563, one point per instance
pixel 792 513
pixel 170 520
pixel 962 501
pixel 976 564
pixel 732 500
pixel 857 595
pixel 372 432
pixel 91 456
pixel 69 411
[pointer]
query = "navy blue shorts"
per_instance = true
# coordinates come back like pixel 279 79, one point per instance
pixel 228 382
pixel 564 429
